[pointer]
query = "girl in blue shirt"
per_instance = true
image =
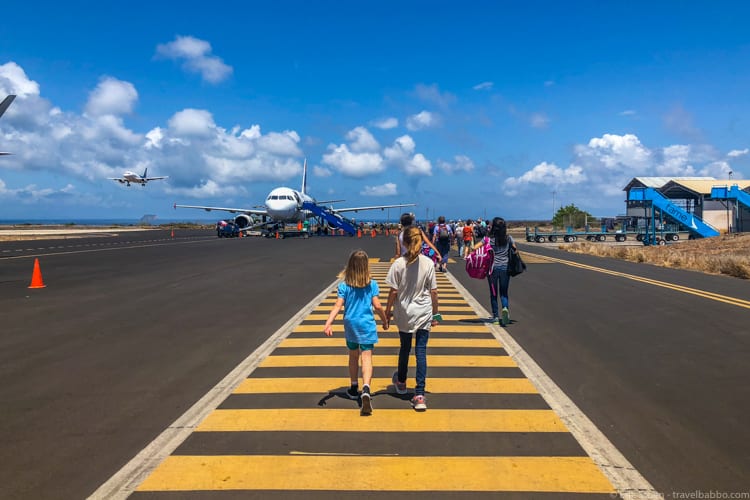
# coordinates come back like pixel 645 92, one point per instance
pixel 359 294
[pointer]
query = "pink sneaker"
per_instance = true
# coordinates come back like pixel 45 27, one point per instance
pixel 419 403
pixel 400 386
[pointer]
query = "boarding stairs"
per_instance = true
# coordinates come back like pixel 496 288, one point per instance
pixel 334 220
pixel 731 193
pixel 695 225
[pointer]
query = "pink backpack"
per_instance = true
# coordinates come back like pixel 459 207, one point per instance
pixel 479 262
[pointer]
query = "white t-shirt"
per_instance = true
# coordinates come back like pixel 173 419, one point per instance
pixel 412 310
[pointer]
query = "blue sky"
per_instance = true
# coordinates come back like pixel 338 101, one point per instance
pixel 468 109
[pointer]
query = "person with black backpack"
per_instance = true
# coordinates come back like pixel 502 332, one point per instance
pixel 442 237
pixel 499 279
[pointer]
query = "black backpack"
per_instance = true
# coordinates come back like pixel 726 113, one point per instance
pixel 443 234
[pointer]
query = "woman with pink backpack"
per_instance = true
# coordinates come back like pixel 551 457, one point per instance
pixel 499 279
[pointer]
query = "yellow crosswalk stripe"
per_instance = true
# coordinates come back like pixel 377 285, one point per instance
pixel 446 317
pixel 324 472
pixel 388 342
pixel 339 328
pixel 438 385
pixel 443 308
pixel 382 420
pixel 435 360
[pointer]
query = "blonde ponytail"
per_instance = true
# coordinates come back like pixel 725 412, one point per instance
pixel 413 243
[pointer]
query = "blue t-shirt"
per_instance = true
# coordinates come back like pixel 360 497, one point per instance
pixel 359 322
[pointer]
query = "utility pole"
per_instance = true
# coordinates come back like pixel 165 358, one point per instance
pixel 553 204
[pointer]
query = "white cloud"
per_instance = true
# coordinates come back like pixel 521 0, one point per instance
pixel 385 123
pixel 736 153
pixel 627 112
pixel 539 120
pixel 432 94
pixel 111 97
pixel 387 189
pixel 13 80
pixel 421 120
pixel 545 174
pixel 483 86
pixel 549 83
pixel 196 57
pixel 359 158
pixel 322 171
pixel 351 164
pixel 200 157
pixel 362 141
pixel 402 154
pixel 462 164
pixel 192 122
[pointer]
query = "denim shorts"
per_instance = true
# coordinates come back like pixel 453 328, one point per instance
pixel 353 346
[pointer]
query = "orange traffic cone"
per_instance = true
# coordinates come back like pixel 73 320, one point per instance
pixel 36 278
pixel 359 233
pixel 277 235
pixel 172 233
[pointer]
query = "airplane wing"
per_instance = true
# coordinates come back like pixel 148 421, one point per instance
pixel 118 179
pixel 377 207
pixel 3 153
pixel 6 103
pixel 225 209
pixel 155 178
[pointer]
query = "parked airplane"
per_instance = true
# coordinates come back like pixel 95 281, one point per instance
pixel 285 204
pixel 129 177
pixel 3 106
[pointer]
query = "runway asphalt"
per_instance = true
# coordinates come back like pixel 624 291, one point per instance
pixel 132 330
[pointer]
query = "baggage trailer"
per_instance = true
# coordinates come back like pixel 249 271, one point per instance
pixel 571 236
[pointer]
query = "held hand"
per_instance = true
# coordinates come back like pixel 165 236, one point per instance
pixel 434 322
pixel 328 331
pixel 386 324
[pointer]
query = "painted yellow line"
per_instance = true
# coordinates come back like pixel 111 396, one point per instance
pixel 437 385
pixel 692 291
pixel 433 360
pixel 377 473
pixel 446 317
pixel 339 328
pixel 389 342
pixel 406 420
pixel 443 308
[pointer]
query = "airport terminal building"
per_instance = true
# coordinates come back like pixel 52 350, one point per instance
pixel 720 205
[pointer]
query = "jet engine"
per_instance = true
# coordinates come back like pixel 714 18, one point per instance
pixel 243 221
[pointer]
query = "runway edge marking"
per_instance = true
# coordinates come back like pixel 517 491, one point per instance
pixel 626 479
pixel 124 482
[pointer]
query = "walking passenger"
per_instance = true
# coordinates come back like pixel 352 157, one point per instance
pixel 499 280
pixel 459 232
pixel 407 221
pixel 468 232
pixel 358 293
pixel 442 235
pixel 413 300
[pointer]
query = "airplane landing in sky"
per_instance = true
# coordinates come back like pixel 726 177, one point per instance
pixel 129 177
pixel 3 106
pixel 285 204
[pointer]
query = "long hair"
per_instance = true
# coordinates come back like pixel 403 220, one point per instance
pixel 357 272
pixel 499 231
pixel 413 243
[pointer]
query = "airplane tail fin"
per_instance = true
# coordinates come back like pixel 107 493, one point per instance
pixel 145 173
pixel 6 103
pixel 304 177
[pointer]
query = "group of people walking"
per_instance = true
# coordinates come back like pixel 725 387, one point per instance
pixel 412 301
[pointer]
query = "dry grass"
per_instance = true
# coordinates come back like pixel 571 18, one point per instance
pixel 728 255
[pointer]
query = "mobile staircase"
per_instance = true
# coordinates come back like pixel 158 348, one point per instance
pixel 664 205
pixel 730 193
pixel 334 220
